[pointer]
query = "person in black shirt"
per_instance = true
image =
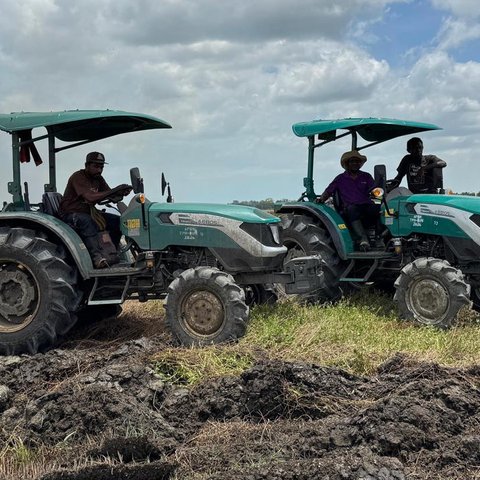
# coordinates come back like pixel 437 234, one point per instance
pixel 418 168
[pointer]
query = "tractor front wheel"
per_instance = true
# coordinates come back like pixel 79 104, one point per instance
pixel 38 295
pixel 429 291
pixel 205 306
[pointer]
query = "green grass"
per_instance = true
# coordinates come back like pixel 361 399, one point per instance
pixel 190 366
pixel 357 335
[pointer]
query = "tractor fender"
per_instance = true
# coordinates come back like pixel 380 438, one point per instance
pixel 327 218
pixel 62 233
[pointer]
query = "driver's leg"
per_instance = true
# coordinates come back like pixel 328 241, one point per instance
pixel 86 227
pixel 353 214
pixel 113 227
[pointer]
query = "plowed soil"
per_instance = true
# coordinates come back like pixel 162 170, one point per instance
pixel 108 415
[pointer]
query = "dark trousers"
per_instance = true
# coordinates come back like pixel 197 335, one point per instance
pixel 86 227
pixel 368 213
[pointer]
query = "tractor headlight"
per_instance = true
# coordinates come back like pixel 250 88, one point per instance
pixel 378 192
pixel 267 234
pixel 275 233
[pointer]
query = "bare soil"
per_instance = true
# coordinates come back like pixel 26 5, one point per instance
pixel 100 405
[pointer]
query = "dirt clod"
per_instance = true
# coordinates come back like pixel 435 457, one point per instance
pixel 111 416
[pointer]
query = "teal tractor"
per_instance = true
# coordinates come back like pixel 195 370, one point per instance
pixel 209 261
pixel 431 257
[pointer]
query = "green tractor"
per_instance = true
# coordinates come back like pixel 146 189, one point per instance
pixel 431 256
pixel 209 261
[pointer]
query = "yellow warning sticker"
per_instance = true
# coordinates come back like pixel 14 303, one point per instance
pixel 342 226
pixel 133 223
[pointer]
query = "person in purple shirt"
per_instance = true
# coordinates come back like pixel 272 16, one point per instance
pixel 354 187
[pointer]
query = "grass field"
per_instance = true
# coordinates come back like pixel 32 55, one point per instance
pixel 357 334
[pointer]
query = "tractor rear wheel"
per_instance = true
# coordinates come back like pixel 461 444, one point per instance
pixel 429 291
pixel 302 236
pixel 38 295
pixel 205 306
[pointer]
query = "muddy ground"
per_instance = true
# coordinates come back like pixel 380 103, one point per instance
pixel 106 414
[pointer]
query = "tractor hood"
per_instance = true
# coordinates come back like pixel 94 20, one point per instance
pixel 460 202
pixel 240 213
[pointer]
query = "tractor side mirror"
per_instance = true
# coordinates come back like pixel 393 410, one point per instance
pixel 166 185
pixel 380 176
pixel 136 180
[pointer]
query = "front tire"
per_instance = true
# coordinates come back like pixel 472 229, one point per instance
pixel 429 291
pixel 302 236
pixel 38 295
pixel 205 306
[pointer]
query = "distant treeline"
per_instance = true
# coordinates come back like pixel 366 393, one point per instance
pixel 266 204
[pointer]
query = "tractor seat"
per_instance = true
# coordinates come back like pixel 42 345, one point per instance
pixel 51 203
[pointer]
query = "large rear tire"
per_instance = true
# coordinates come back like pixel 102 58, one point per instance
pixel 38 296
pixel 302 236
pixel 205 306
pixel 429 291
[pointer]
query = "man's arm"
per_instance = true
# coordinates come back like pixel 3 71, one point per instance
pixel 82 189
pixel 434 162
pixel 328 192
pixel 402 171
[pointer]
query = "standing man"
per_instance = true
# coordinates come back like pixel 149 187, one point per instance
pixel 354 187
pixel 418 168
pixel 84 190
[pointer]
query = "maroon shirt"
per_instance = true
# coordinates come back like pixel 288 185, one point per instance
pixel 353 191
pixel 79 183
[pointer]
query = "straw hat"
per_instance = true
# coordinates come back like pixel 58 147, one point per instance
pixel 352 154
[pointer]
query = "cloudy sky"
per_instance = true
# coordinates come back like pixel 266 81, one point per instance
pixel 232 77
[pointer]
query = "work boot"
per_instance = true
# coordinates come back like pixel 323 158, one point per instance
pixel 93 247
pixel 359 231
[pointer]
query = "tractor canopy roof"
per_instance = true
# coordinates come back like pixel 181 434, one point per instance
pixel 80 125
pixel 370 129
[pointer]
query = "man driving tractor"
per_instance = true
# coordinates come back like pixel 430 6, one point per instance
pixel 354 188
pixel 84 190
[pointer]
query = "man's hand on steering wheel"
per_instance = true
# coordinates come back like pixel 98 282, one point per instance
pixel 116 194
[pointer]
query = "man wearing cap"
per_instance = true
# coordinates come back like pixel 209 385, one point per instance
pixel 354 187
pixel 84 190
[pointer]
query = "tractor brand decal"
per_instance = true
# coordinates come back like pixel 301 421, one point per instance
pixel 342 226
pixel 228 226
pixel 189 233
pixel 416 220
pixel 435 210
pixel 133 227
pixel 187 219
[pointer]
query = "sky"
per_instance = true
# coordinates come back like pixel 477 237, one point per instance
pixel 232 77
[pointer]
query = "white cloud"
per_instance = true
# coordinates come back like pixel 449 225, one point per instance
pixel 231 78
pixel 460 8
pixel 456 32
